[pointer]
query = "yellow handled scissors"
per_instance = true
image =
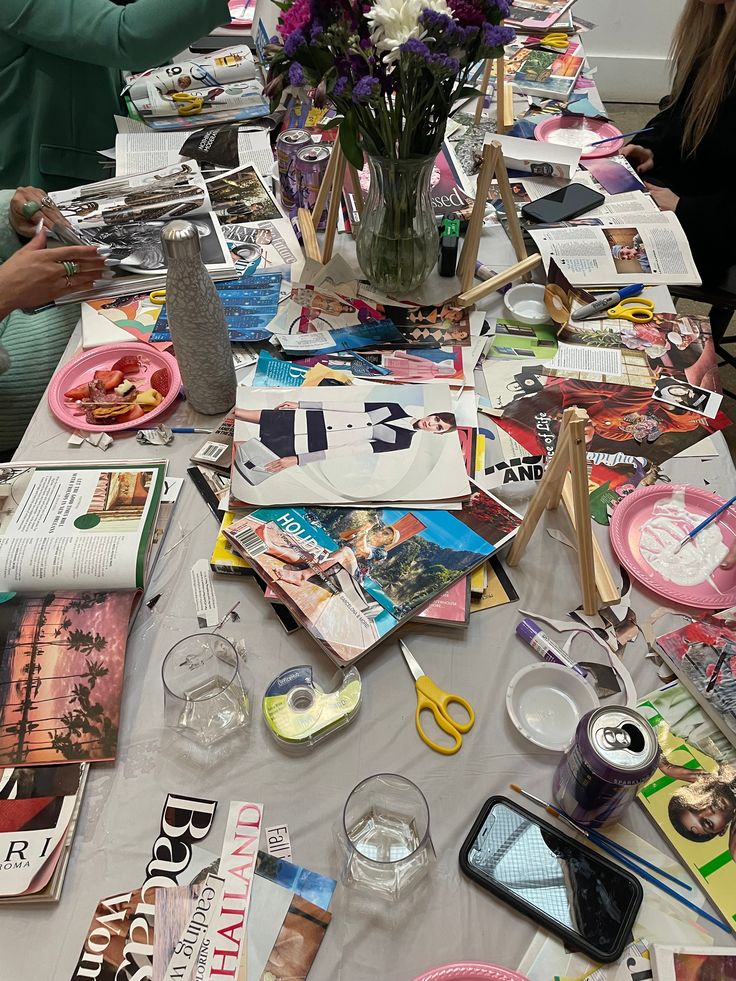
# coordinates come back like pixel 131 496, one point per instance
pixel 188 104
pixel 158 297
pixel 432 699
pixel 636 309
pixel 556 41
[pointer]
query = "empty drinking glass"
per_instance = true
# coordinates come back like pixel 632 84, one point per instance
pixel 384 836
pixel 205 695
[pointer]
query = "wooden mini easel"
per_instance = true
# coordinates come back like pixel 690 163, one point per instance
pixel 308 220
pixel 492 166
pixel 566 479
pixel 504 95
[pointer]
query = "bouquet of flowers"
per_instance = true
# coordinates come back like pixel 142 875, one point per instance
pixel 392 68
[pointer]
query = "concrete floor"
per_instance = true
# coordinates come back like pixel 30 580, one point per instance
pixel 629 117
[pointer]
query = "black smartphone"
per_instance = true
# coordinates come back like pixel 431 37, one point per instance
pixel 569 889
pixel 562 205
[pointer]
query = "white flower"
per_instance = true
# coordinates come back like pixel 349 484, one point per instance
pixel 396 21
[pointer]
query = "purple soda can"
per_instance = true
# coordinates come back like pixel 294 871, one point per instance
pixel 311 164
pixel 289 143
pixel 613 753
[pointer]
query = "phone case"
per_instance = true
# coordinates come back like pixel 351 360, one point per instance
pixel 528 210
pixel 573 940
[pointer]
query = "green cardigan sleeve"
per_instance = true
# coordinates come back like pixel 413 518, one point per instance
pixel 98 32
pixel 9 241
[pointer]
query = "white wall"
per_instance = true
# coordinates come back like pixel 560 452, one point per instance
pixel 629 46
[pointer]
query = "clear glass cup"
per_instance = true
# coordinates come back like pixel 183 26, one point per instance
pixel 205 695
pixel 383 840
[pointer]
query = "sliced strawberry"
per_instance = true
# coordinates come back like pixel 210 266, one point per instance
pixel 130 364
pixel 135 412
pixel 78 393
pixel 109 379
pixel 161 381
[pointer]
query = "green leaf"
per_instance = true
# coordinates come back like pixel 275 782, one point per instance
pixel 467 92
pixel 349 143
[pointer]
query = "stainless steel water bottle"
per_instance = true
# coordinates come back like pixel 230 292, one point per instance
pixel 197 323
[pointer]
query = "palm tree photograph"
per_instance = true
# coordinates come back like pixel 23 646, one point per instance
pixel 61 676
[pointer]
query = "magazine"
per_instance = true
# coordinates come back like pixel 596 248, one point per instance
pixel 353 576
pixel 693 963
pixel 414 365
pixel 128 215
pixel 542 73
pixel 620 249
pixel 703 656
pixel 623 419
pixel 77 526
pixel 537 15
pixel 449 609
pixel 269 245
pixel 138 152
pixel 240 195
pixel 691 796
pixel 351 445
pixel 62 660
pixel 38 805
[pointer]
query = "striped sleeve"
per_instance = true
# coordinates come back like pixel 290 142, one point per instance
pixel 34 343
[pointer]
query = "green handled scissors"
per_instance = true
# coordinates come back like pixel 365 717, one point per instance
pixel 432 699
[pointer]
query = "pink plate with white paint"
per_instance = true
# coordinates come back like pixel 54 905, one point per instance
pixel 470 971
pixel 580 132
pixel 652 519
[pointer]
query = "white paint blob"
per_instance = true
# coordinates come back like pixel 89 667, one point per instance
pixel 669 524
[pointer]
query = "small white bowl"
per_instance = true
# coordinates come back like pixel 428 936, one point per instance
pixel 525 303
pixel 546 701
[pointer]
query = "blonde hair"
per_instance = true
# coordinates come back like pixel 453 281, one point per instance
pixel 704 48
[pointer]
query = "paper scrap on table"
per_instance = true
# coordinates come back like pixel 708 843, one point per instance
pixel 579 357
pixel 205 601
pixel 278 842
pixel 183 916
pixel 271 903
pixel 674 391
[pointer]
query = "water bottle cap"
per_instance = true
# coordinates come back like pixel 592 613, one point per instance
pixel 180 240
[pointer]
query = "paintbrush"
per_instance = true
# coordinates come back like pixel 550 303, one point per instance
pixel 615 851
pixel 704 524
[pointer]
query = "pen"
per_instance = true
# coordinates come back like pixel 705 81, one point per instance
pixel 621 136
pixel 607 301
pixel 190 429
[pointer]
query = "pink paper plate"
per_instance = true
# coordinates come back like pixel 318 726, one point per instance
pixel 580 132
pixel 718 591
pixel 82 368
pixel 470 971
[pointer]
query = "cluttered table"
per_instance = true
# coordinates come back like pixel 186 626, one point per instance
pixel 447 918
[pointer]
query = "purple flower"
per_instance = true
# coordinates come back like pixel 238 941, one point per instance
pixel 445 63
pixel 467 12
pixel 415 47
pixel 365 89
pixel 340 86
pixel 293 43
pixel 317 30
pixel 438 23
pixel 296 74
pixel 503 7
pixel 496 36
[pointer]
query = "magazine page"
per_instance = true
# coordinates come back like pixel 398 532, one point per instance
pixel 691 796
pixel 703 656
pixel 269 245
pixel 31 832
pixel 62 660
pixel 536 15
pixel 80 526
pixel 136 153
pixel 538 159
pixel 689 963
pixel 347 446
pixel 343 574
pixel 620 249
pixel 128 215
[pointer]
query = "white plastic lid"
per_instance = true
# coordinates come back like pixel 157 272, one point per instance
pixel 546 701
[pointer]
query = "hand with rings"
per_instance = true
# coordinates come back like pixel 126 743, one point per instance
pixel 31 205
pixel 35 275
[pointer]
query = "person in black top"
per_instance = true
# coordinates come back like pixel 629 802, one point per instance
pixel 688 158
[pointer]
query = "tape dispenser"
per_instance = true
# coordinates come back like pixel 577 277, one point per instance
pixel 299 713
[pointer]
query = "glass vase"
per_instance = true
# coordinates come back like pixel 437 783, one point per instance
pixel 397 240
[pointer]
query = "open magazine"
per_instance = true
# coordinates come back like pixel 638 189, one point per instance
pixel 352 576
pixel 678 963
pixel 128 215
pixel 620 249
pixel 77 527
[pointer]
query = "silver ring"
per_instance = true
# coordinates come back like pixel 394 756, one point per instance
pixel 47 202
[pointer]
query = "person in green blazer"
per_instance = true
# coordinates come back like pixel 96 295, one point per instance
pixel 31 276
pixel 60 63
